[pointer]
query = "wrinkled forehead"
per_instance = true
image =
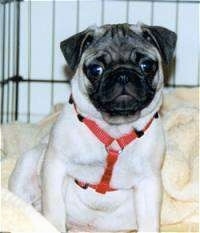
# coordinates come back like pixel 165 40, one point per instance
pixel 119 44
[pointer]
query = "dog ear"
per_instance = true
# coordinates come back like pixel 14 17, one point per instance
pixel 163 39
pixel 73 47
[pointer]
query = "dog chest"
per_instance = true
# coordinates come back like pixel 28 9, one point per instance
pixel 90 166
pixel 85 155
pixel 95 211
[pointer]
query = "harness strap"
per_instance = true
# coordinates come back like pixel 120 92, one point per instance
pixel 102 135
pixel 104 185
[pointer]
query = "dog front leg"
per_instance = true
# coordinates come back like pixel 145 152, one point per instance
pixel 53 206
pixel 148 195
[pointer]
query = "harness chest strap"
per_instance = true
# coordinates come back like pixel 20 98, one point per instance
pixel 104 185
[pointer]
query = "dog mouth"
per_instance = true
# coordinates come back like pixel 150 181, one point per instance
pixel 122 103
pixel 123 98
pixel 122 93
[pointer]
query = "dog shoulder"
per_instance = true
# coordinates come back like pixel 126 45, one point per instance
pixel 69 133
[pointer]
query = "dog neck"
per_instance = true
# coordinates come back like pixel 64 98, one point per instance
pixel 86 109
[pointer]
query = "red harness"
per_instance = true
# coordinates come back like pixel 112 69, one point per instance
pixel 104 185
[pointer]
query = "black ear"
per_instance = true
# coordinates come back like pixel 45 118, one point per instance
pixel 74 46
pixel 163 39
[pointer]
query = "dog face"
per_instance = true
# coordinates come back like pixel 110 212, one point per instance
pixel 119 67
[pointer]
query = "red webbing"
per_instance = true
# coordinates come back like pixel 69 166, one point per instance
pixel 126 139
pixel 104 185
pixel 104 137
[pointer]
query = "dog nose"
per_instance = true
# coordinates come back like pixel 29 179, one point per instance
pixel 123 79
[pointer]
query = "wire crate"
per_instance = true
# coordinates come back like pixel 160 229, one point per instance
pixel 32 68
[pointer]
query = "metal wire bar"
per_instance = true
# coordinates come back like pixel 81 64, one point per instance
pixel 14 41
pixel 17 37
pixel 17 58
pixel 102 12
pixel 152 13
pixel 43 81
pixel 77 15
pixel 8 61
pixel 181 86
pixel 198 78
pixel 29 60
pixel 127 10
pixel 13 80
pixel 12 104
pixel 13 58
pixel 3 62
pixel 53 50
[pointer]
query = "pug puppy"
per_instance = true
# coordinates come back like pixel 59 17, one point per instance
pixel 100 168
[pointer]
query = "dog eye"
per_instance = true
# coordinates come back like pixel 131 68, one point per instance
pixel 94 70
pixel 148 66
